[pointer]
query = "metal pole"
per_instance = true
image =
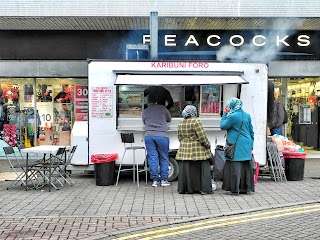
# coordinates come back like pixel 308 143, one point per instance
pixel 154 35
pixel 35 112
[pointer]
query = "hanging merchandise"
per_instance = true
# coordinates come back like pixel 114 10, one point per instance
pixel 42 137
pixel 30 131
pixel 31 125
pixel 28 89
pixel 56 137
pixel 10 135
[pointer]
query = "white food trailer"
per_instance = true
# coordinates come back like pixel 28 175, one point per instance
pixel 116 101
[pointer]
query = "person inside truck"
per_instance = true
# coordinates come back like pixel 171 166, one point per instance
pixel 162 95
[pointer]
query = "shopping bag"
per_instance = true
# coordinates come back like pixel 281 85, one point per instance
pixel 219 162
pixel 255 168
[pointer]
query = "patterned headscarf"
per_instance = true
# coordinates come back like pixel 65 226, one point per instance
pixel 234 104
pixel 189 111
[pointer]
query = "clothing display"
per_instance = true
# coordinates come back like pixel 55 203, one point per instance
pixel 10 134
pixel 30 125
pixel 65 114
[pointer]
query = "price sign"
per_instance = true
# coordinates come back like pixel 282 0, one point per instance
pixel 81 103
pixel 101 102
pixel 81 92
pixel 45 110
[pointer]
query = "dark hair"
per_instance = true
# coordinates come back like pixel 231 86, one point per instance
pixel 152 98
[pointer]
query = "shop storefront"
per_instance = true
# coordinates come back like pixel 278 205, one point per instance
pixel 37 65
pixel 39 108
pixel 300 96
pixel 41 111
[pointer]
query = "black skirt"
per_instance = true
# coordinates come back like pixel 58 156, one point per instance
pixel 238 177
pixel 194 177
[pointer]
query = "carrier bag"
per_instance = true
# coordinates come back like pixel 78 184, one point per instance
pixel 219 162
pixel 255 168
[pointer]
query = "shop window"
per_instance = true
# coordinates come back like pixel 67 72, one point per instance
pixel 59 103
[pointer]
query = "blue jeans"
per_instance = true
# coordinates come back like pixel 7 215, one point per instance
pixel 158 152
pixel 277 130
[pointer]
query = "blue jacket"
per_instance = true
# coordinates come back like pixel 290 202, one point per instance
pixel 231 122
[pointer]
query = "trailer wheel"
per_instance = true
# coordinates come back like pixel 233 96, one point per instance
pixel 173 169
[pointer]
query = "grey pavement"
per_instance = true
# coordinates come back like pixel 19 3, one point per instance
pixel 87 211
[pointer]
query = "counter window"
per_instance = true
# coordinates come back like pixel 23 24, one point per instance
pixel 130 101
pixel 207 99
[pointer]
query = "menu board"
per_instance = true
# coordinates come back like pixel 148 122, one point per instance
pixel 101 101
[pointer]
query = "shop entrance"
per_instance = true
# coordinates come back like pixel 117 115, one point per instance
pixel 301 98
pixel 41 111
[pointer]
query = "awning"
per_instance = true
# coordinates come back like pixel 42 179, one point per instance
pixel 173 79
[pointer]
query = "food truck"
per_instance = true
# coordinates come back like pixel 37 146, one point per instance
pixel 116 101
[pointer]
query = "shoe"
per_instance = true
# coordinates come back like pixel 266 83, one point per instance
pixel 155 184
pixel 165 183
pixel 247 193
pixel 232 193
pixel 213 185
pixel 206 193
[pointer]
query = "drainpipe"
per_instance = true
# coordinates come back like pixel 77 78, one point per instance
pixel 154 35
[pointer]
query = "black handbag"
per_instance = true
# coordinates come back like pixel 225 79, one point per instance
pixel 231 147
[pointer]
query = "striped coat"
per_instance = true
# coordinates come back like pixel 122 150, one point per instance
pixel 194 144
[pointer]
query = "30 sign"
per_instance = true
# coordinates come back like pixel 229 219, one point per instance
pixel 81 92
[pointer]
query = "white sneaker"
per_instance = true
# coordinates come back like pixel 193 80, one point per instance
pixel 214 185
pixel 155 184
pixel 165 183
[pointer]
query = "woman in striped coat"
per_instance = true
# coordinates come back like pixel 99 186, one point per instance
pixel 193 154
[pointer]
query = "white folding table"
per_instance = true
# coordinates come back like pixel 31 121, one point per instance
pixel 43 149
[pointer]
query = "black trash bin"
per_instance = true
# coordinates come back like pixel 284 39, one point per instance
pixel 104 168
pixel 294 165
